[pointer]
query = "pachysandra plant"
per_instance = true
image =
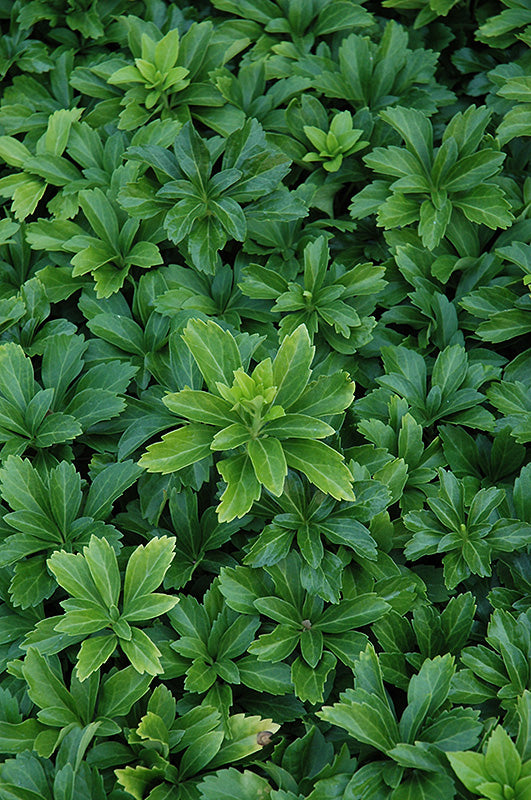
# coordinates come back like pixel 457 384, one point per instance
pixel 45 417
pixel 328 299
pixel 453 395
pixel 114 244
pixel 93 582
pixel 497 772
pixel 167 78
pixel 46 167
pixel 407 644
pixel 307 517
pixel 151 80
pixel 401 437
pixel 414 742
pixel 435 187
pixel 176 751
pixel 428 9
pixel 311 635
pixel 209 190
pixel 470 534
pixel 276 21
pixel 49 512
pixel 212 651
pixel 89 17
pixel 89 705
pixel 332 146
pixel 272 418
pixel 499 669
pixel 370 73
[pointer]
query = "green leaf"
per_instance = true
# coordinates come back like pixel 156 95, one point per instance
pixel 229 784
pixel 200 407
pixel 214 350
pixel 277 645
pixel 107 486
pixel 13 152
pixel 265 676
pixel 415 128
pixel 312 646
pixel 243 488
pixel 17 383
pixel 103 566
pixel 73 574
pixel 16 738
pixel 470 769
pixel 348 614
pixel 123 332
pixel 100 213
pixel 502 761
pixel 298 426
pixel 322 465
pixel 200 753
pixel 44 687
pixel 517 122
pixel 472 170
pixel 309 681
pixel 31 582
pixel 433 222
pixel 485 205
pixel 147 567
pixel 326 396
pixel 230 437
pixel 57 427
pixel 370 722
pixel 143 654
pixel 427 691
pixel 291 366
pixel 425 786
pixel 269 463
pixel 120 691
pixel 178 449
pixel 93 653
pixel 148 606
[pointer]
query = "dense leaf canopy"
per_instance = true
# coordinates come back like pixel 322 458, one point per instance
pixel 265 400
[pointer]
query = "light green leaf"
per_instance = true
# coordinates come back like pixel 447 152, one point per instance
pixel 93 653
pixel 470 769
pixel 502 761
pixel 242 489
pixel 214 350
pixel 200 407
pixel 103 566
pixel 178 449
pixel 322 465
pixel 73 574
pixel 147 567
pixel 269 463
pixel 298 426
pixel 291 367
pixel 142 653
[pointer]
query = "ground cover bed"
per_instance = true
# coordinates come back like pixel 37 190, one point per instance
pixel 265 400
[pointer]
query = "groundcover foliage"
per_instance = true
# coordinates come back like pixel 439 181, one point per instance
pixel 265 400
